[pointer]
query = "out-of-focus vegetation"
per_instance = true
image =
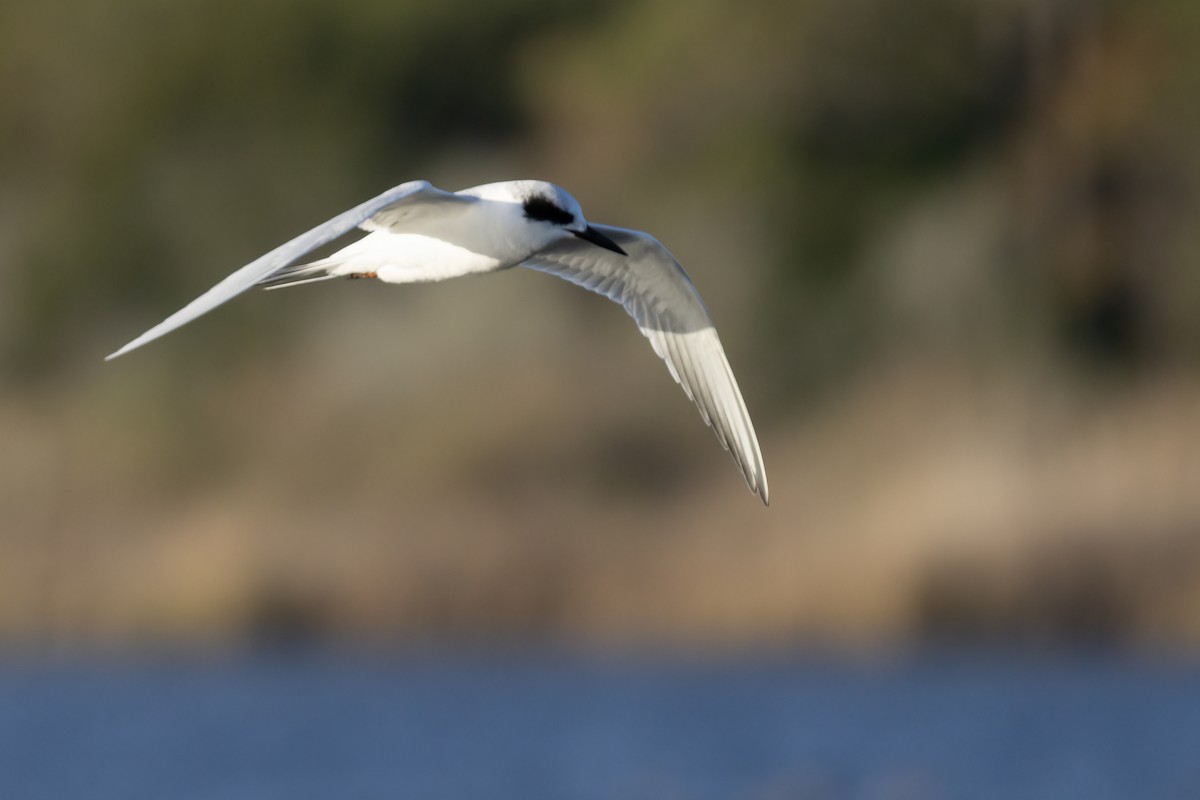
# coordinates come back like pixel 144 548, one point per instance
pixel 951 247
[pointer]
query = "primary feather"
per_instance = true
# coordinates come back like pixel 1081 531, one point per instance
pixel 657 292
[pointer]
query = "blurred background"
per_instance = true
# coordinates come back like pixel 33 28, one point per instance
pixel 950 247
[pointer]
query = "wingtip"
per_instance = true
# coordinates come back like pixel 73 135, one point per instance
pixel 759 486
pixel 120 352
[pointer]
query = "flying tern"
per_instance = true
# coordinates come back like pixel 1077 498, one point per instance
pixel 417 232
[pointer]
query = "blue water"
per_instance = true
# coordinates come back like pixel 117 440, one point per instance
pixel 536 725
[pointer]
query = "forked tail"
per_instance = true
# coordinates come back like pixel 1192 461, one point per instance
pixel 301 273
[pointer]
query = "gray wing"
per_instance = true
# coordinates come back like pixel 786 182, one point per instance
pixel 660 297
pixel 390 206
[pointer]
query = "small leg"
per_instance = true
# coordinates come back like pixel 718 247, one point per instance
pixel 360 275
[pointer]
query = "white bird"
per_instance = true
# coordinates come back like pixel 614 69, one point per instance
pixel 417 232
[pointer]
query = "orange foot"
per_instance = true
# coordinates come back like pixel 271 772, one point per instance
pixel 360 275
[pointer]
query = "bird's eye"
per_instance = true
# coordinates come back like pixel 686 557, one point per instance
pixel 543 210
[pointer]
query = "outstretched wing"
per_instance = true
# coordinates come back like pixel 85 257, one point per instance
pixel 660 297
pixel 391 205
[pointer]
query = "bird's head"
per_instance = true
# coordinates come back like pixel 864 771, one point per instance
pixel 546 204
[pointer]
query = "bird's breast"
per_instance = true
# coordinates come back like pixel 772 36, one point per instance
pixel 480 238
pixel 413 257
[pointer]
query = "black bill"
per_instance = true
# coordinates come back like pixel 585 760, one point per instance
pixel 597 238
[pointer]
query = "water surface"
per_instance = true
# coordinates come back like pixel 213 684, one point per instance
pixel 535 725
